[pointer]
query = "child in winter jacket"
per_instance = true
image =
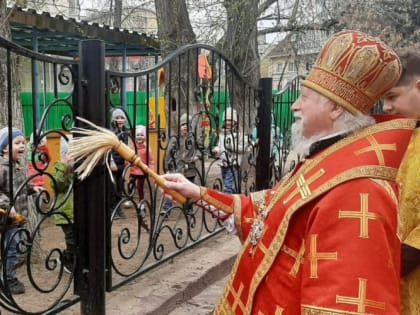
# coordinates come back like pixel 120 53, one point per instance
pixel 14 154
pixel 63 217
pixel 146 156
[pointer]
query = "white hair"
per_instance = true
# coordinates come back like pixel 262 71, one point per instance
pixel 350 123
pixel 346 123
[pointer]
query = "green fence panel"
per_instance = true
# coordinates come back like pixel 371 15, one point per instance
pixel 58 108
pixel 219 102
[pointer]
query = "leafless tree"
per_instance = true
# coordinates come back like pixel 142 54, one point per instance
pixel 9 92
pixel 174 31
pixel 174 26
pixel 396 22
pixel 8 89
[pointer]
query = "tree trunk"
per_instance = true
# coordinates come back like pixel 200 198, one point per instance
pixel 115 63
pixel 174 26
pixel 240 40
pixel 240 44
pixel 174 31
pixel 117 13
pixel 16 108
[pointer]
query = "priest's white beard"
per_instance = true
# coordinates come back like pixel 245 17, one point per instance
pixel 301 144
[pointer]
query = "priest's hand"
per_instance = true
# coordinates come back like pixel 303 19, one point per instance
pixel 179 183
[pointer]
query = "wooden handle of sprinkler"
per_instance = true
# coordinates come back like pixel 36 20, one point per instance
pixel 160 181
pixel 129 155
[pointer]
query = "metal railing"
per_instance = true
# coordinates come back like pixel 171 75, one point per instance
pixel 111 252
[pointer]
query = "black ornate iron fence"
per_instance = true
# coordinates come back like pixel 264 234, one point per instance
pixel 30 250
pixel 281 159
pixel 199 89
pixel 200 119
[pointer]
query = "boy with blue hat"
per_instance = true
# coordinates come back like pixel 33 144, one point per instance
pixel 13 153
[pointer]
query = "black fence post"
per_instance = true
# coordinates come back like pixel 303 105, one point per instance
pixel 264 133
pixel 90 217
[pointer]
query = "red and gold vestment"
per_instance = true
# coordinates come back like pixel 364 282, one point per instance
pixel 324 240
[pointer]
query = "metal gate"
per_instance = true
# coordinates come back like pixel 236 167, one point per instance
pixel 196 86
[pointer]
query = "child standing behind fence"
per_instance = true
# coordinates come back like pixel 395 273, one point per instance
pixel 63 178
pixel 20 203
pixel 182 155
pixel 117 162
pixel 41 157
pixel 147 158
pixel 229 149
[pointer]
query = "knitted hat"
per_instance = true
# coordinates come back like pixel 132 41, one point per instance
pixel 140 129
pixel 231 114
pixel 354 70
pixel 64 145
pixel 118 112
pixel 43 140
pixel 4 136
pixel 184 119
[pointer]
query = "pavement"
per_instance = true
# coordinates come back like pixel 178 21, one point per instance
pixel 190 284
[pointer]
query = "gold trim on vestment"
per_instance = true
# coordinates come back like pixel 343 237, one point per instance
pixel 386 173
pixel 316 310
pixel 379 172
pixel 385 185
pixel 237 215
pixel 258 198
pixel 223 307
pixel 213 201
pixel 359 172
pixel 391 193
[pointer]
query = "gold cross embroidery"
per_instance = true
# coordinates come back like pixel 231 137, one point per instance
pixel 314 256
pixel 298 258
pixel 279 311
pixel 302 185
pixel 364 215
pixel 361 301
pixel 378 148
pixel 248 219
pixel 237 298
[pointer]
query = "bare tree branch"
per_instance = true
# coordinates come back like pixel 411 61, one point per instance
pixel 299 28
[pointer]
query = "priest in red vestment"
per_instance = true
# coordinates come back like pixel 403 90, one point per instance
pixel 325 239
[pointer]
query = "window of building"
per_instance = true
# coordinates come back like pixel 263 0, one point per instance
pixel 291 67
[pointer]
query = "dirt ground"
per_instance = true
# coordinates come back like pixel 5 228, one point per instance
pixel 46 281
